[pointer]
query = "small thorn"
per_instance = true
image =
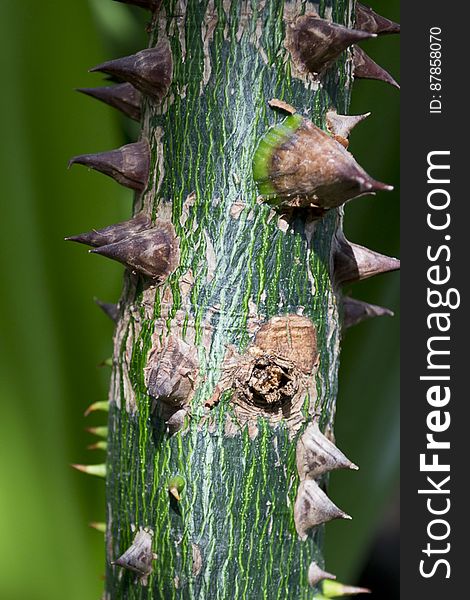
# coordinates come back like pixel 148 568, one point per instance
pixel 176 486
pixel 317 574
pixel 316 43
pixel 123 97
pixel 112 233
pixel 317 455
pixel 101 527
pixel 110 309
pixel 335 589
pixel 98 431
pixel 342 125
pixel 352 262
pixel 98 470
pixel 107 362
pixel 139 556
pixel 128 165
pixel 356 311
pixel 366 68
pixel 149 70
pixel 369 20
pixel 101 445
pixel 153 252
pixel 151 5
pixel 313 507
pixel 101 405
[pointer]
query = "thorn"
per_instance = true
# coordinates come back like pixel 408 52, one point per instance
pixel 313 507
pixel 98 431
pixel 342 125
pixel 101 527
pixel 110 310
pixel 366 68
pixel 122 96
pixel 356 311
pixel 101 405
pixel 98 470
pixel 153 253
pixel 369 20
pixel 151 5
pixel 112 233
pixel 107 362
pixel 316 43
pixel 149 70
pixel 316 455
pixel 128 165
pixel 352 262
pixel 176 486
pixel 139 556
pixel 101 445
pixel 297 164
pixel 335 589
pixel 317 574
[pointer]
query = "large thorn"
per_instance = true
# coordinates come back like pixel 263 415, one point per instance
pixel 153 252
pixel 110 309
pixel 356 311
pixel 366 68
pixel 139 556
pixel 297 164
pixel 128 165
pixel 352 262
pixel 317 574
pixel 316 43
pixel 122 96
pixel 152 5
pixel 335 589
pixel 149 70
pixel 313 507
pixel 98 470
pixel 369 20
pixel 316 455
pixel 112 233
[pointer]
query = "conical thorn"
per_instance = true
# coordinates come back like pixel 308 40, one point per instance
pixel 139 556
pixel 317 574
pixel 366 68
pixel 101 405
pixel 317 455
pixel 356 311
pixel 153 253
pixel 369 20
pixel 340 126
pixel 128 165
pixel 112 233
pixel 315 43
pixel 97 470
pixel 98 431
pixel 151 5
pixel 352 262
pixel 110 309
pixel 150 70
pixel 123 97
pixel 335 589
pixel 101 527
pixel 313 507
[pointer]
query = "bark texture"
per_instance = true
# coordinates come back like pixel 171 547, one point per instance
pixel 192 398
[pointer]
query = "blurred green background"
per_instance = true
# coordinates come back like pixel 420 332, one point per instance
pixel 53 337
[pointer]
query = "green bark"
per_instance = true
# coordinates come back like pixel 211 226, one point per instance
pixel 232 533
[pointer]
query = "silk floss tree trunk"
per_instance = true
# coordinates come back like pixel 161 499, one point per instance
pixel 226 351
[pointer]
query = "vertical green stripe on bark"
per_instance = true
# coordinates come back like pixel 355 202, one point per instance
pixel 236 510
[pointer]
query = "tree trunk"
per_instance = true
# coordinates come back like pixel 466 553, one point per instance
pixel 227 351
